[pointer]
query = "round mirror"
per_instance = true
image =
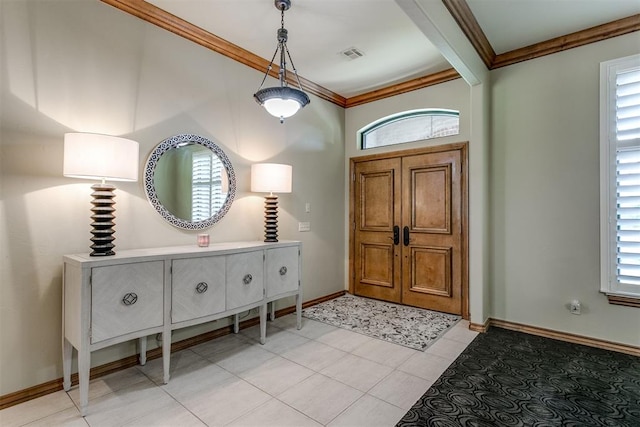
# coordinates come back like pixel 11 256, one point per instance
pixel 189 181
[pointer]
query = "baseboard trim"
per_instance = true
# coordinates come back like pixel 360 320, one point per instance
pixel 565 336
pixel 480 327
pixel 52 386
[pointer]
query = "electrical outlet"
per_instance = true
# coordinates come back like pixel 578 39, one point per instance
pixel 574 307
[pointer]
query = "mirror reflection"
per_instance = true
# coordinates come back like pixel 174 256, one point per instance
pixel 189 181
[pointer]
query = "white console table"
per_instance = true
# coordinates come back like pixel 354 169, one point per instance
pixel 136 293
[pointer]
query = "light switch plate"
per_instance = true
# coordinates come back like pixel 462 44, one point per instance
pixel 304 226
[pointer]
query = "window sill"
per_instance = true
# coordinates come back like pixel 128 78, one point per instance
pixel 624 300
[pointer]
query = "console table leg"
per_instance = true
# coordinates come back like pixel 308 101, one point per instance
pixel 142 343
pixel 298 311
pixel 263 323
pixel 84 364
pixel 67 353
pixel 272 311
pixel 166 356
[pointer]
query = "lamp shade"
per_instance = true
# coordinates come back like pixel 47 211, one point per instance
pixel 95 156
pixel 271 178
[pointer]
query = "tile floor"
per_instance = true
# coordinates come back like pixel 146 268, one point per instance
pixel 318 376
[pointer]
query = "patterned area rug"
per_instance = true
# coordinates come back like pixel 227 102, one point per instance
pixel 408 326
pixel 507 378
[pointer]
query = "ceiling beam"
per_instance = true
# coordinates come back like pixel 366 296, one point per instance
pixel 467 22
pixel 437 24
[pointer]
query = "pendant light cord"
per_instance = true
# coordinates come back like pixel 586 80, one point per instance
pixel 282 47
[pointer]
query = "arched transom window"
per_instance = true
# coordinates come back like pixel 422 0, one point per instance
pixel 408 126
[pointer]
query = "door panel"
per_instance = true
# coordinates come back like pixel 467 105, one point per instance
pixel 376 194
pixel 376 258
pixel 431 199
pixel 431 270
pixel 377 264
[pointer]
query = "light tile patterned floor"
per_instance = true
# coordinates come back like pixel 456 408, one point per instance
pixel 319 375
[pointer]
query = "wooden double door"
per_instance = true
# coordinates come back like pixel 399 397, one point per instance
pixel 409 231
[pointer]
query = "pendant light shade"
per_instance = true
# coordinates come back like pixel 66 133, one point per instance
pixel 282 101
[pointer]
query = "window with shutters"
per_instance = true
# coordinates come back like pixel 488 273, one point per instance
pixel 409 126
pixel 620 180
pixel 207 190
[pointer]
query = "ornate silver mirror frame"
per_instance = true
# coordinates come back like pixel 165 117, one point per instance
pixel 178 142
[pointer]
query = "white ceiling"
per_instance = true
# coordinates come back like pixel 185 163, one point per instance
pixel 395 50
pixel 512 24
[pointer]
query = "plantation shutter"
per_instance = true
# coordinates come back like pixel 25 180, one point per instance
pixel 627 134
pixel 201 188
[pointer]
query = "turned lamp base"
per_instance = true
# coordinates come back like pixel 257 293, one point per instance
pixel 271 218
pixel 103 216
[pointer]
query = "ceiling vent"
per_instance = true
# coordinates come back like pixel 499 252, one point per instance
pixel 352 53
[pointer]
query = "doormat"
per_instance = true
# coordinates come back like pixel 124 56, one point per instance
pixel 411 327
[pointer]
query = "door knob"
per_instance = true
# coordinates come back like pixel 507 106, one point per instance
pixel 396 235
pixel 405 235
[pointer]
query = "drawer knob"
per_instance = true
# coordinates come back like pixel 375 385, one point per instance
pixel 247 279
pixel 283 270
pixel 130 298
pixel 202 287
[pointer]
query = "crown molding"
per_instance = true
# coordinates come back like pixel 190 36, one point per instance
pixel 461 13
pixel 579 38
pixel 411 85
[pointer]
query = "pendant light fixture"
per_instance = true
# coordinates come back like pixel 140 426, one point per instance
pixel 282 101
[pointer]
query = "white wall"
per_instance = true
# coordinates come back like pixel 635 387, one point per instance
pixel 85 66
pixel 545 191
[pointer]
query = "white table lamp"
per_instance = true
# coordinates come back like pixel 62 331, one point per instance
pixel 271 178
pixel 101 157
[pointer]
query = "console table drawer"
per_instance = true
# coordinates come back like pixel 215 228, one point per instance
pixel 197 287
pixel 245 281
pixel 126 298
pixel 282 270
